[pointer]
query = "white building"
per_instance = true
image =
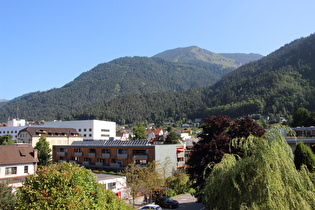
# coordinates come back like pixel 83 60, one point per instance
pixel 89 129
pixel 115 183
pixel 13 128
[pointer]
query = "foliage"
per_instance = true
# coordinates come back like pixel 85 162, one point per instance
pixel 266 179
pixel 139 133
pixel 6 140
pixel 215 141
pixel 66 186
pixel 43 151
pixel 7 197
pixel 304 155
pixel 143 179
pixel 179 183
pixel 303 117
pixel 172 137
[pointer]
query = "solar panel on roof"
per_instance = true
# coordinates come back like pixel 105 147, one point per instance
pixel 111 143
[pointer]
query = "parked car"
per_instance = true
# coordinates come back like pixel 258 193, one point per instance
pixel 167 202
pixel 151 206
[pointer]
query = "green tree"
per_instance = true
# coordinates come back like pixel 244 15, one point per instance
pixel 304 155
pixel 264 179
pixel 66 186
pixel 179 182
pixel 172 137
pixel 139 132
pixel 44 151
pixel 6 140
pixel 7 198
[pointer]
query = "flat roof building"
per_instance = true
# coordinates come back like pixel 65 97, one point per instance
pixel 89 129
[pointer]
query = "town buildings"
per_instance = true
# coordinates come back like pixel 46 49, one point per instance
pixel 115 183
pixel 89 129
pixel 16 162
pixel 116 155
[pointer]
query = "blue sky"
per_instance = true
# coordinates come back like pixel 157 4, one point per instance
pixel 46 44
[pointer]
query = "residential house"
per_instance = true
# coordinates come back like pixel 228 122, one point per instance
pixel 16 162
pixel 55 136
pixel 13 127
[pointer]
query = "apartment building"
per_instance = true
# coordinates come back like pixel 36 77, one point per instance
pixel 304 134
pixel 55 136
pixel 116 155
pixel 89 129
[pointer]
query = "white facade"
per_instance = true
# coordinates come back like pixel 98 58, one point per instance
pixel 13 128
pixel 115 183
pixel 16 170
pixel 89 129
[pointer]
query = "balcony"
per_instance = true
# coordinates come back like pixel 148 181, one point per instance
pixel 115 165
pixel 92 154
pixel 73 161
pixel 180 163
pixel 140 156
pixel 78 154
pixel 86 163
pixel 105 155
pixel 181 154
pixel 122 155
pixel 61 153
pixel 100 164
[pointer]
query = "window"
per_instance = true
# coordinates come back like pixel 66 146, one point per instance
pixel 99 160
pixel 105 130
pixel 84 129
pixel 90 135
pixel 90 129
pixel 104 135
pixel 92 151
pixel 105 151
pixel 77 150
pixel 26 169
pixel 111 185
pixel 10 170
pixel 79 129
pixel 122 151
pixel 62 150
pixel 84 135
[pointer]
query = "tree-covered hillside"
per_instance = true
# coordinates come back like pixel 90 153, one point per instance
pixel 105 82
pixel 274 85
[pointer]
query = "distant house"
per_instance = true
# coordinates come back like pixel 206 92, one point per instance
pixel 55 136
pixel 16 162
pixel 155 135
pixel 304 134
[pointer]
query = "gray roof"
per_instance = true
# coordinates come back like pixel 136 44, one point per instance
pixel 110 143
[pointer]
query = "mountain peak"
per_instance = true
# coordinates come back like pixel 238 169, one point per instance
pixel 193 54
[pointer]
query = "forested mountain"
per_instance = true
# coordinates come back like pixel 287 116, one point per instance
pixel 105 82
pixel 274 85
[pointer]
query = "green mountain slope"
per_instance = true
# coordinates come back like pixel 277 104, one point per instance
pixel 242 58
pixel 274 85
pixel 107 81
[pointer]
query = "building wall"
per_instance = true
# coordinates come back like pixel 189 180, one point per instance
pixel 19 170
pixel 12 130
pixel 25 137
pixel 89 129
pixel 142 155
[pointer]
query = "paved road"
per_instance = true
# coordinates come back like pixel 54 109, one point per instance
pixel 186 202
